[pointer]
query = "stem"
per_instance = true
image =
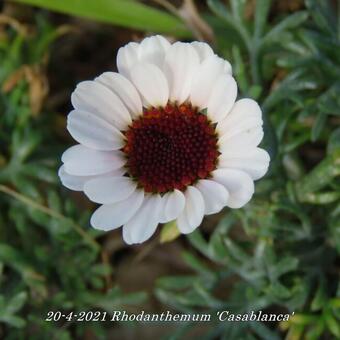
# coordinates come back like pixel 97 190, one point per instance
pixel 33 204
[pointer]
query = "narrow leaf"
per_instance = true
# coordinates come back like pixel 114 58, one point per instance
pixel 126 13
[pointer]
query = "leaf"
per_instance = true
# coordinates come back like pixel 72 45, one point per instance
pixel 221 11
pixel 16 303
pixel 319 177
pixel 126 13
pixel 284 266
pixel 169 232
pixel 239 68
pixel 316 330
pixel 283 91
pixel 177 301
pixel 323 15
pixel 255 91
pixel 176 282
pixel 261 13
pixel 318 126
pixel 206 296
pixel 334 141
pixel 16 259
pixel 238 8
pixel 289 22
pixel 24 144
pixel 329 101
pixel 320 298
pixel 196 264
pixel 10 307
pixel 41 172
pixel 218 8
pixel 332 324
pixel 235 251
pixel 13 320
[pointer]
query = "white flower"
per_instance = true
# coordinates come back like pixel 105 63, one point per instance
pixel 163 139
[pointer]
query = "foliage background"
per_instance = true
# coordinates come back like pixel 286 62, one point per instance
pixel 279 254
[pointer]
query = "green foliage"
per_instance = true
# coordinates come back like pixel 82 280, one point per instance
pixel 280 253
pixel 49 258
pixel 126 13
pixel 8 309
pixel 282 249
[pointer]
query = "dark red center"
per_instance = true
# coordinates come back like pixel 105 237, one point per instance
pixel 170 148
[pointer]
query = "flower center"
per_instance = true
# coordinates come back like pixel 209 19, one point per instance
pixel 170 148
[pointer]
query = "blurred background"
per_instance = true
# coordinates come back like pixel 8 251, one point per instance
pixel 279 254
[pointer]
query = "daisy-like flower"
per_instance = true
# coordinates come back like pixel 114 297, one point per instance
pixel 164 139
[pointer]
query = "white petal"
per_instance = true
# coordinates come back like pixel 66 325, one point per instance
pixel 180 65
pixel 72 182
pixel 144 223
pixel 193 212
pixel 241 125
pixel 96 98
pixel 203 50
pixel 152 50
pixel 174 203
pixel 76 183
pixel 207 74
pixel 112 216
pixel 106 190
pixel 241 141
pixel 124 89
pixel 82 161
pixel 255 161
pixel 127 57
pixel 151 83
pixel 244 115
pixel 222 98
pixel 227 67
pixel 93 132
pixel 239 185
pixel 215 196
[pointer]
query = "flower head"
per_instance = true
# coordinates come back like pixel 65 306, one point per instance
pixel 164 139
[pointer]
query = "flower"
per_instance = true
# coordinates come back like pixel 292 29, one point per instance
pixel 164 139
